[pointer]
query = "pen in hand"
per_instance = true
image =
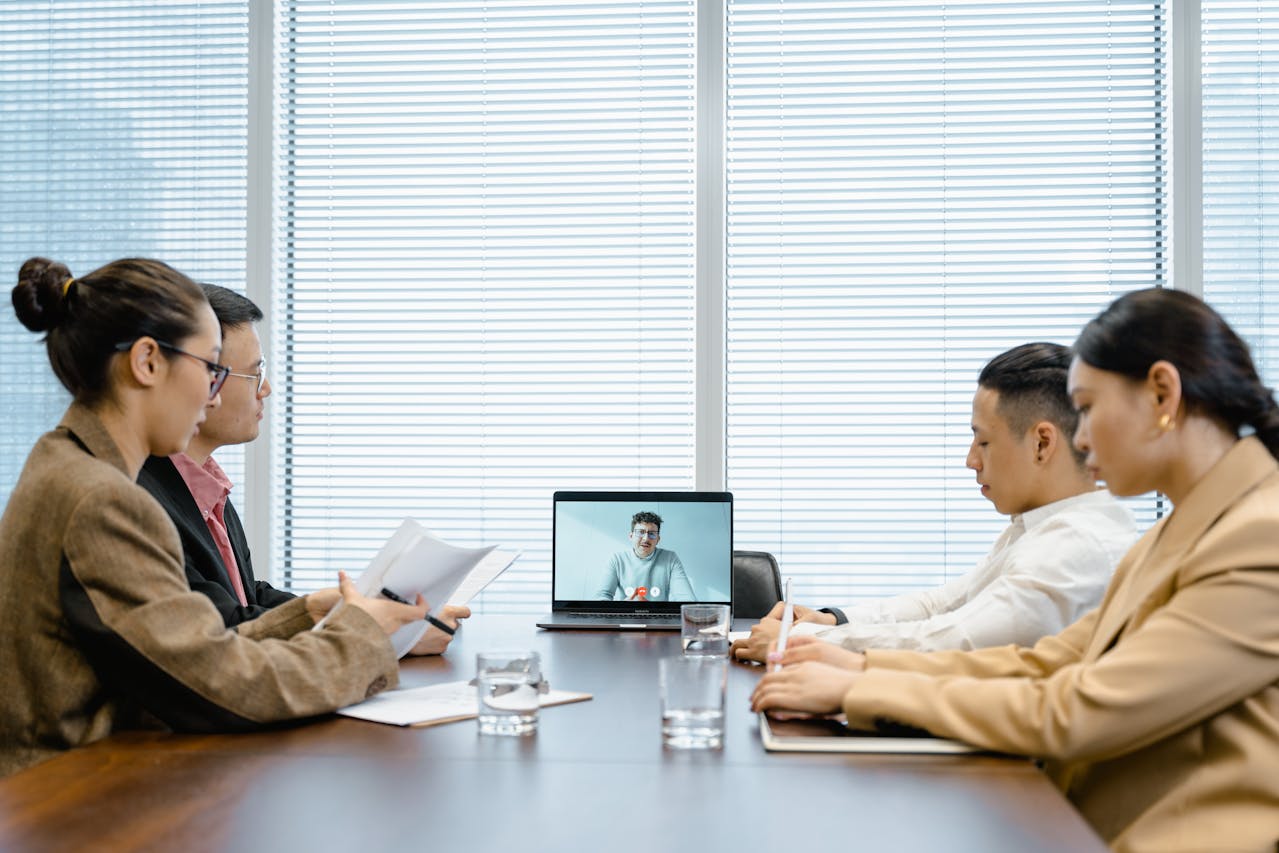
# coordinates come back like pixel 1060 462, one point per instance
pixel 788 618
pixel 443 626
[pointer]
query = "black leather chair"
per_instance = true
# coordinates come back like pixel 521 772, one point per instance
pixel 757 584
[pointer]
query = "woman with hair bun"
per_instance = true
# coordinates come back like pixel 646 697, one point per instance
pixel 98 626
pixel 1157 713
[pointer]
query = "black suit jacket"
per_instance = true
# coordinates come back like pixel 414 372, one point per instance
pixel 206 572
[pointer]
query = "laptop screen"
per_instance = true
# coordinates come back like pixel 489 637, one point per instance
pixel 655 550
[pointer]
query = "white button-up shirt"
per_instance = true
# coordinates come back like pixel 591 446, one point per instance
pixel 1048 568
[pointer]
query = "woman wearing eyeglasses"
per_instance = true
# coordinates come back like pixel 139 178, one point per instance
pixel 97 623
pixel 1157 713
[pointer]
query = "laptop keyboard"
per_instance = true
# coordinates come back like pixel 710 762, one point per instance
pixel 614 616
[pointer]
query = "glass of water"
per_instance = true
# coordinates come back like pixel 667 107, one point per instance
pixel 507 685
pixel 692 696
pixel 704 628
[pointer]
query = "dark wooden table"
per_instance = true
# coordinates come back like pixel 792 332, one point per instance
pixel 595 778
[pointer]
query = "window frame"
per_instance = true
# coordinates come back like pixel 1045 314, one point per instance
pixel 710 342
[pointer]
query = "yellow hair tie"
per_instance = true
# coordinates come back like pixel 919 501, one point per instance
pixel 67 286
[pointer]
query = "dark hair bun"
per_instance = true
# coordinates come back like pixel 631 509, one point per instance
pixel 38 299
pixel 1266 424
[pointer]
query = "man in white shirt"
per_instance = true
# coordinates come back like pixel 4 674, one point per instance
pixel 1049 567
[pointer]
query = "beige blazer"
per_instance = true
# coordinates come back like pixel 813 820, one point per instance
pixel 98 624
pixel 1157 713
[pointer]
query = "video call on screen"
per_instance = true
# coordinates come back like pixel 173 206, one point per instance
pixel 591 534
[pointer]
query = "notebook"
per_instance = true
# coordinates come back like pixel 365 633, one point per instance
pixel 829 735
pixel 628 560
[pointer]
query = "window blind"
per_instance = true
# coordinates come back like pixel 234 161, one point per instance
pixel 122 132
pixel 485 270
pixel 913 188
pixel 1241 171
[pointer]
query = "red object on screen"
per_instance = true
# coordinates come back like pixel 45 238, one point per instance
pixel 641 593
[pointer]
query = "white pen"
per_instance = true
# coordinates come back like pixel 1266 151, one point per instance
pixel 788 617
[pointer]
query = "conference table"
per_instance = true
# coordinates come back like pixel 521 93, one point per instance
pixel 595 777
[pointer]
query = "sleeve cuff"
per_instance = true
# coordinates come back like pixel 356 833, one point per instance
pixel 279 622
pixel 840 618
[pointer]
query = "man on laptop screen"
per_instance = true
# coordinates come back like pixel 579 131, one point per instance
pixel 643 571
pixel 628 560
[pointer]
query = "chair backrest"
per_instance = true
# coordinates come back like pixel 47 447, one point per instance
pixel 757 584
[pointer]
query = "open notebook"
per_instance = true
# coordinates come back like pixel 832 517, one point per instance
pixel 828 735
pixel 436 703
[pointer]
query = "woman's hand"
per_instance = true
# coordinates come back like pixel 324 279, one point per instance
pixel 802 649
pixel 319 603
pixel 390 616
pixel 815 688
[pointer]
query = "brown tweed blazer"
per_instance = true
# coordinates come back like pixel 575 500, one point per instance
pixel 1157 713
pixel 98 624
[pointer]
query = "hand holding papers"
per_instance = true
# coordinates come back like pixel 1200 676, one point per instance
pixel 414 561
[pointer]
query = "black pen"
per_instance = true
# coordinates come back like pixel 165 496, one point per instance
pixel 443 626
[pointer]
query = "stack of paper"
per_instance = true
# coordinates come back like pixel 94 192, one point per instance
pixel 414 561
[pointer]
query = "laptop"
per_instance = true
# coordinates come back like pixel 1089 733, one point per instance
pixel 628 560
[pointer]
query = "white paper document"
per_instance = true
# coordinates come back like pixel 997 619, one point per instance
pixel 415 561
pixel 436 703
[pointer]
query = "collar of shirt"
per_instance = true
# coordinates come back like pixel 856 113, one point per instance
pixel 1034 517
pixel 208 483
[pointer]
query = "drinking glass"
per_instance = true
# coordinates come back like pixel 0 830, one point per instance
pixel 691 688
pixel 704 628
pixel 507 689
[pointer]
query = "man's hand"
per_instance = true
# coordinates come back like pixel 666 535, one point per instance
pixel 815 688
pixel 756 646
pixel 802 614
pixel 435 641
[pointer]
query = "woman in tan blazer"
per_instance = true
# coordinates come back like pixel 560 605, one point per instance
pixel 1157 713
pixel 98 627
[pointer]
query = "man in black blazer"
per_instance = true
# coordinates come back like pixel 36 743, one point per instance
pixel 206 570
pixel 195 491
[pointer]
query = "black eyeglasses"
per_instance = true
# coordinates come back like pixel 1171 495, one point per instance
pixel 220 371
pixel 260 376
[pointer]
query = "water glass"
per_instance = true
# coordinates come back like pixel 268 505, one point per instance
pixel 692 696
pixel 508 685
pixel 704 628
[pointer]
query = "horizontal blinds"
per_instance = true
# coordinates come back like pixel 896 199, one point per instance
pixel 1241 171
pixel 486 271
pixel 122 133
pixel 912 189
